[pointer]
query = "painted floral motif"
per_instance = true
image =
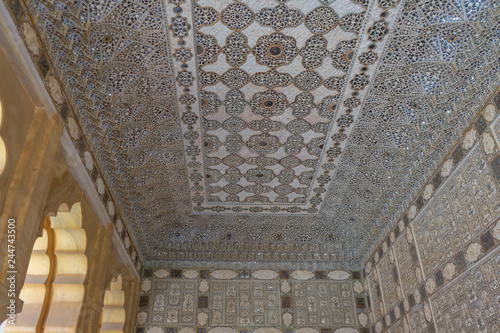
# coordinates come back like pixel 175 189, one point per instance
pixel 237 16
pixel 236 49
pixel 275 50
pixel 321 20
pixel 314 52
pixel 280 17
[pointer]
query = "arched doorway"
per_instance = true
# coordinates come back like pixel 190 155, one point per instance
pixel 53 290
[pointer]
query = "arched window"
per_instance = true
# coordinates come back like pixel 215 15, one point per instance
pixel 53 290
pixel 113 311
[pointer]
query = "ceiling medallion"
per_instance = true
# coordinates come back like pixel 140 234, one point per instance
pixel 275 50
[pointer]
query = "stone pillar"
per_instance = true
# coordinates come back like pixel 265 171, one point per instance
pixel 25 199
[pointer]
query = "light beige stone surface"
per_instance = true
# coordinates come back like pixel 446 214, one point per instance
pixel 449 271
pixel 222 330
pixel 496 231
pixel 412 212
pixel 285 287
pixel 406 326
pixel 409 236
pixel 401 225
pixel 202 318
pixel 397 312
pixel 490 112
pixel 224 274
pixel 473 252
pixel 469 139
pixel 399 293
pixel 203 286
pixel 339 275
pixel 31 39
pixel 190 273
pixel 119 226
pixel 73 128
pixel 55 89
pixel 111 208
pixel 100 186
pixel 141 317
pixel 488 143
pixel 306 330
pixel 418 274
pixel 447 167
pixel 162 273
pixel 406 305
pixel 430 286
pixel 427 312
pixel 187 330
pixel 363 319
pixel 89 162
pixel 417 296
pixel 267 330
pixel 358 287
pixel 428 191
pixel 287 319
pixel 154 329
pixel 146 285
pixel 346 330
pixel 265 274
pixel 302 275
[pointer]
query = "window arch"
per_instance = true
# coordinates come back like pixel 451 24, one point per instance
pixel 53 290
pixel 113 311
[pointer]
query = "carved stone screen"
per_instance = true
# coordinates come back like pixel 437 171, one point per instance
pixel 209 301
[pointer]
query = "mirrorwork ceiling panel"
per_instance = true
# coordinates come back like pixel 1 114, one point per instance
pixel 268 130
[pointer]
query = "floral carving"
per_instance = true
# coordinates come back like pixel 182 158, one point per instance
pixel 236 49
pixel 280 17
pixel 275 50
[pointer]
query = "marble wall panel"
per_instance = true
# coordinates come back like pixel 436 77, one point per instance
pixel 446 245
pixel 389 279
pixel 407 262
pixel 465 205
pixel 377 306
pixel 471 303
pixel 324 303
pixel 397 328
pixel 254 303
pixel 172 300
pixel 420 319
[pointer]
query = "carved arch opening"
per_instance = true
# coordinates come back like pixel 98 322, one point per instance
pixel 53 291
pixel 113 315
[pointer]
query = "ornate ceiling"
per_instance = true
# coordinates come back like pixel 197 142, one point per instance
pixel 269 130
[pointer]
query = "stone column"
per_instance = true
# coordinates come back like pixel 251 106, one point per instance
pixel 25 199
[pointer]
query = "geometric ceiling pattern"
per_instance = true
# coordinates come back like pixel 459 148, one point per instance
pixel 261 130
